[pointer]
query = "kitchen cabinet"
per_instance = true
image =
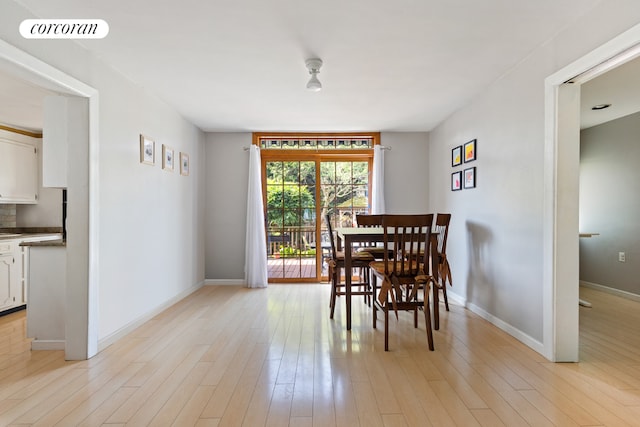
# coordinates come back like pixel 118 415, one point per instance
pixel 11 294
pixel 47 277
pixel 14 264
pixel 18 168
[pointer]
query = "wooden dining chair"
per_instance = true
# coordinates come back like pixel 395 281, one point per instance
pixel 441 229
pixel 336 265
pixel 406 274
pixel 366 220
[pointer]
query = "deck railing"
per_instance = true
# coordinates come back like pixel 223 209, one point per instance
pixel 291 241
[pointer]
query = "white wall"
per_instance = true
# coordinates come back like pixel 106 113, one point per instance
pixel 609 203
pixel 151 248
pixel 496 239
pixel 226 184
pixel 151 220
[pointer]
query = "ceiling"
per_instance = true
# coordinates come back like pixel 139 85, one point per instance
pixel 238 65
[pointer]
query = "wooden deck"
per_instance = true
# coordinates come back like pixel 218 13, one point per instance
pixel 292 268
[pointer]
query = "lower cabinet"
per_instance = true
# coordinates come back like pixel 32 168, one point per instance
pixel 47 276
pixel 11 293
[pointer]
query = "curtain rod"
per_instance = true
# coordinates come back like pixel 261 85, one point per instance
pixel 384 147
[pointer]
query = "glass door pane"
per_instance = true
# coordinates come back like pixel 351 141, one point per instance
pixel 291 219
pixel 344 193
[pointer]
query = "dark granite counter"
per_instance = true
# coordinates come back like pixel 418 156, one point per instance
pixel 40 243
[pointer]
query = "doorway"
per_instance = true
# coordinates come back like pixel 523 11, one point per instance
pixel 82 247
pixel 330 176
pixel 562 139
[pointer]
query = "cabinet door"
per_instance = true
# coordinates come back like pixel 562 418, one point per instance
pixel 6 271
pixel 18 172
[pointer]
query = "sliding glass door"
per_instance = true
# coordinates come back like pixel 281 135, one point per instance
pixel 291 219
pixel 305 179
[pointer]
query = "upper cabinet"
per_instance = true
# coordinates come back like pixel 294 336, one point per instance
pixel 18 168
pixel 65 125
pixel 57 116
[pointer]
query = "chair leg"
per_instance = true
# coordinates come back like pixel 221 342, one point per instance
pixel 443 285
pixel 386 328
pixel 334 291
pixel 373 296
pixel 427 319
pixel 364 275
pixel 444 294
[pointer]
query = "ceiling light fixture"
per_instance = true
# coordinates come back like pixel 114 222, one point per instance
pixel 313 65
pixel 600 106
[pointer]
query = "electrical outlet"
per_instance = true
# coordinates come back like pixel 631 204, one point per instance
pixel 622 257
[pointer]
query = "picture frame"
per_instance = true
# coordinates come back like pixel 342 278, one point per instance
pixel 168 159
pixel 456 181
pixel 184 164
pixel 470 178
pixel 147 150
pixel 456 155
pixel 470 149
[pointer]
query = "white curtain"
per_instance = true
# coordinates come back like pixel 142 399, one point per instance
pixel 377 185
pixel 255 267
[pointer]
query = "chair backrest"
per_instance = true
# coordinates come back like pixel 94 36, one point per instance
pixel 334 252
pixel 442 228
pixel 410 238
pixel 364 220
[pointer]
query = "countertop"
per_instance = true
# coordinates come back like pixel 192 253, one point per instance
pixel 57 242
pixel 32 235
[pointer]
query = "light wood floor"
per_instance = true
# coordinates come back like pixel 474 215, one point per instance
pixel 233 356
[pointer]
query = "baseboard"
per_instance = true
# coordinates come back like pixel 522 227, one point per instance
pixel 231 282
pixel 499 323
pixel 455 298
pixel 48 344
pixel 110 339
pixel 613 291
pixel 13 310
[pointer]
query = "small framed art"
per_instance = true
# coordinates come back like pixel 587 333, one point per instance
pixel 147 150
pixel 184 164
pixel 167 158
pixel 456 181
pixel 456 155
pixel 470 151
pixel 470 178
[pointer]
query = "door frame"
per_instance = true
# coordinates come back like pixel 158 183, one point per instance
pixel 81 322
pixel 318 156
pixel 561 189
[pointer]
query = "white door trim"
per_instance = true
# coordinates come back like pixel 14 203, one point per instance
pixel 561 179
pixel 82 256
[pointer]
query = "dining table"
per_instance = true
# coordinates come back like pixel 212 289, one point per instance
pixel 347 237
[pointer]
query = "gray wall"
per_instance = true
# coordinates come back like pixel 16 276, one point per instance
pixel 610 203
pixel 226 193
pixel 226 176
pixel 496 238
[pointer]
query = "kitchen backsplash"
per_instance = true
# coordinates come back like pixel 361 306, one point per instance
pixel 7 215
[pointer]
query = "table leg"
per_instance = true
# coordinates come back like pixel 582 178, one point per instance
pixel 347 278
